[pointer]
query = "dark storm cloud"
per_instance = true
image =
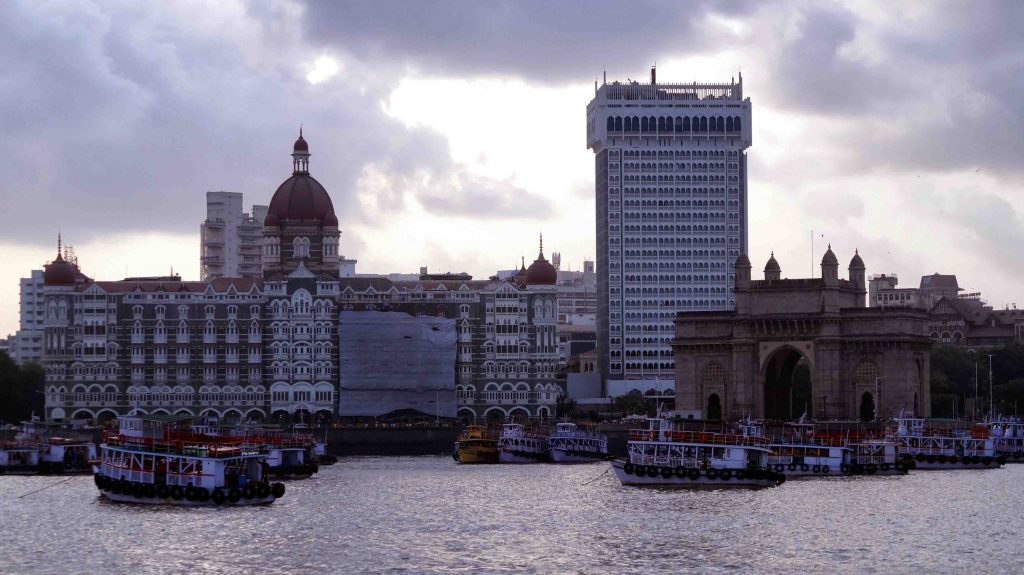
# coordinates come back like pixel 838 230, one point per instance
pixel 937 91
pixel 555 42
pixel 118 118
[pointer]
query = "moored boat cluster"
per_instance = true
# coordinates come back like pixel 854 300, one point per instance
pixel 753 454
pixel 568 443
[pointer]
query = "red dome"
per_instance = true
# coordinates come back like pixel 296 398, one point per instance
pixel 300 144
pixel 541 272
pixel 301 197
pixel 60 273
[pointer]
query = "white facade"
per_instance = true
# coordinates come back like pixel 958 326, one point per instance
pixel 671 213
pixel 27 344
pixel 231 238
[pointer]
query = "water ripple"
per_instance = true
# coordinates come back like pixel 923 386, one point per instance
pixel 412 515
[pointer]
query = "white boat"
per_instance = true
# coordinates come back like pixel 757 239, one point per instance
pixel 875 456
pixel 62 449
pixel 664 455
pixel 798 452
pixel 18 458
pixel 161 460
pixel 568 443
pixel 945 446
pixel 1008 439
pixel 517 445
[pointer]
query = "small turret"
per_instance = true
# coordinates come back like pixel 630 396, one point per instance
pixel 742 268
pixel 830 267
pixel 772 269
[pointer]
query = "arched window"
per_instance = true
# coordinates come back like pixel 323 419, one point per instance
pixel 866 373
pixel 736 124
pixel 643 124
pixel 618 124
pixel 714 375
pixel 611 124
pixel 686 123
pixel 728 124
pixel 704 124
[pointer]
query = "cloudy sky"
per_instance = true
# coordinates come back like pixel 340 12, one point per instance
pixel 451 134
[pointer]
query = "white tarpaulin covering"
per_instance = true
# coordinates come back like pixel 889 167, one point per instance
pixel 393 360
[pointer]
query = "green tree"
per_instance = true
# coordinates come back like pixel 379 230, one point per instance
pixel 633 403
pixel 21 389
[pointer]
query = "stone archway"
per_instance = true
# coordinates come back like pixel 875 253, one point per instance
pixel 867 407
pixel 787 385
pixel 714 410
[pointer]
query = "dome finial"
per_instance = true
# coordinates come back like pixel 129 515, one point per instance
pixel 542 244
pixel 58 244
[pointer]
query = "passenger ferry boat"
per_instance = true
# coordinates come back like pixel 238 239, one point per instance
pixel 517 445
pixel 1008 439
pixel 946 447
pixel 161 460
pixel 571 444
pixel 798 452
pixel 18 458
pixel 61 448
pixel 663 455
pixel 290 455
pixel 476 444
pixel 875 456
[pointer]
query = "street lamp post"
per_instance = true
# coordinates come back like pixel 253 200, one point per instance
pixel 878 395
pixel 990 402
pixel 975 410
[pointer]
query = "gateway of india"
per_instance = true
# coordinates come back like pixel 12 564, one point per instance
pixel 862 362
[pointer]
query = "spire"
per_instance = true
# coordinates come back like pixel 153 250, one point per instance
pixel 58 243
pixel 542 244
pixel 300 155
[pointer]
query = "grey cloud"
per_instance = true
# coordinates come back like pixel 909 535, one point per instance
pixel 476 196
pixel 553 42
pixel 119 117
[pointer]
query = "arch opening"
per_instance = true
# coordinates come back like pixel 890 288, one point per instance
pixel 867 406
pixel 787 386
pixel 714 408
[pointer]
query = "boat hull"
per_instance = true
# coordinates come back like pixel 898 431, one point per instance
pixel 699 479
pixel 565 456
pixel 520 456
pixel 476 456
pixel 124 498
pixel 925 465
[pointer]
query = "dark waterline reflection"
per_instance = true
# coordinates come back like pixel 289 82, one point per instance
pixel 428 515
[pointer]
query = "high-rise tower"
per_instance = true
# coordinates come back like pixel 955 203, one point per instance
pixel 671 175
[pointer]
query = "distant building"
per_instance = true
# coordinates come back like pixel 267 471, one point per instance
pixel 27 343
pixel 671 191
pixel 882 291
pixel 970 323
pixel 862 362
pixel 231 239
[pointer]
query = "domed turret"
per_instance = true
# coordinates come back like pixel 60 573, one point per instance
pixel 59 272
pixel 742 271
pixel 772 269
pixel 856 263
pixel 540 271
pixel 301 197
pixel 830 267
pixel 829 259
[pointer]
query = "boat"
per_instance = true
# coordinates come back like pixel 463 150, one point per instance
pixel 18 458
pixel 569 443
pixel 62 449
pixel 152 459
pixel 516 444
pixel 665 455
pixel 1008 439
pixel 799 452
pixel 290 454
pixel 476 444
pixel 875 456
pixel 939 445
